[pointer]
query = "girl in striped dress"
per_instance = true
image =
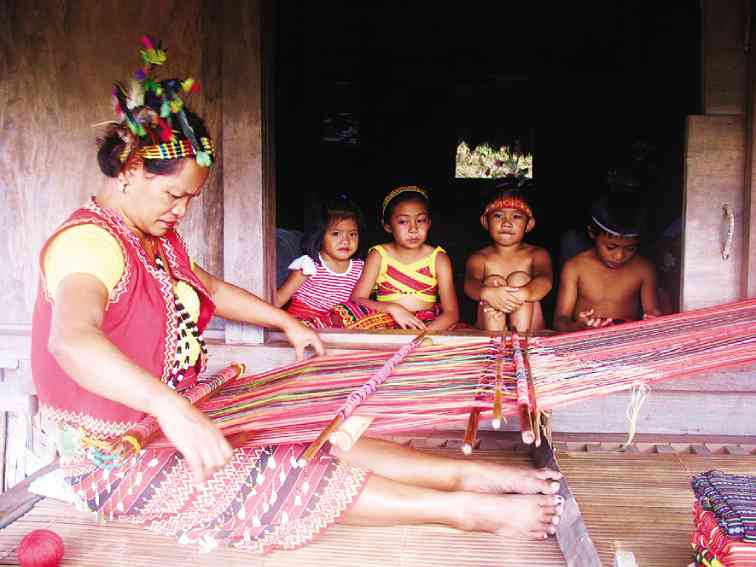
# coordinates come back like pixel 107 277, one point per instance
pixel 326 275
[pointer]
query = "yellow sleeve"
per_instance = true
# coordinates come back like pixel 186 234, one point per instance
pixel 87 249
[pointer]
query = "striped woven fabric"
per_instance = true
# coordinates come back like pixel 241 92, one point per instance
pixel 713 546
pixel 732 499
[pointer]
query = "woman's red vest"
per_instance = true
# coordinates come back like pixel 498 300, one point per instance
pixel 140 319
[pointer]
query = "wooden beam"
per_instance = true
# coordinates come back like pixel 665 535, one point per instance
pixel 714 178
pixel 248 194
pixel 749 205
pixel 17 501
pixel 573 537
pixel 724 62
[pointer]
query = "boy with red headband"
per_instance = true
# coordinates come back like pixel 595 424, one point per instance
pixel 609 283
pixel 509 278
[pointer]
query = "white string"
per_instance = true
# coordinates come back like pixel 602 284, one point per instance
pixel 638 394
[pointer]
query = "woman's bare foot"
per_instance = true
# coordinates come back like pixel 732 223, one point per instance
pixel 479 476
pixel 510 515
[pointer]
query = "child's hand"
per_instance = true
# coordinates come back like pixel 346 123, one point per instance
pixel 491 312
pixel 520 293
pixel 590 321
pixel 505 299
pixel 405 318
pixel 494 280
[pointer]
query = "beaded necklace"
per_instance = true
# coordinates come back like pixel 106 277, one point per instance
pixel 184 327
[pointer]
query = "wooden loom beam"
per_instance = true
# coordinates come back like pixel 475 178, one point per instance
pixel 572 534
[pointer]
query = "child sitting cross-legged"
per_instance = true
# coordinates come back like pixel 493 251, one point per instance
pixel 510 277
pixel 608 283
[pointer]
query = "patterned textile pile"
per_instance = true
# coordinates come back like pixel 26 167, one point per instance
pixel 725 517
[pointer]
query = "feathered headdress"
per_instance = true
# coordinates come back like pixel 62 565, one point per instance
pixel 153 109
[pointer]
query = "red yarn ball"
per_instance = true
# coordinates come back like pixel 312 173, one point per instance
pixel 40 548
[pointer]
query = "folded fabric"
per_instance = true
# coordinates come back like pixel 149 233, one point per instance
pixel 712 538
pixel 732 499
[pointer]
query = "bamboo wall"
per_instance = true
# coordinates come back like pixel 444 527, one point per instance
pixel 58 60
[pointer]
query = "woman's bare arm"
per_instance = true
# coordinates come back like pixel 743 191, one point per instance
pixel 237 304
pixel 84 352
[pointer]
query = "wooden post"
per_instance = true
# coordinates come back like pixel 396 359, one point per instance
pixel 727 93
pixel 724 62
pixel 714 168
pixel 248 186
pixel 749 206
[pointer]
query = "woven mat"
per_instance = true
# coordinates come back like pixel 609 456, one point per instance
pixel 118 544
pixel 642 502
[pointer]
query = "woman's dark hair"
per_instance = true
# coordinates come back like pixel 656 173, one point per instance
pixel 333 210
pixel 111 147
pixel 404 197
pixel 621 212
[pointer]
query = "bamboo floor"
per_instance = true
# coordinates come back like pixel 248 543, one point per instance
pixel 635 501
pixel 641 502
pixel 90 544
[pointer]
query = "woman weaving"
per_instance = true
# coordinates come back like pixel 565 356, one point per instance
pixel 117 333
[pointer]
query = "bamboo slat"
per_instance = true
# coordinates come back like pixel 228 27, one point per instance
pixel 641 502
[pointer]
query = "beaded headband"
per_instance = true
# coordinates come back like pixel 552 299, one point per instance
pixel 153 108
pixel 614 232
pixel 176 149
pixel 509 203
pixel 399 191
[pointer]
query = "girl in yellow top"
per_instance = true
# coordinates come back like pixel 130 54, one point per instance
pixel 412 280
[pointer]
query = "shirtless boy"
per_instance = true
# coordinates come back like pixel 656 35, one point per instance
pixel 509 277
pixel 608 283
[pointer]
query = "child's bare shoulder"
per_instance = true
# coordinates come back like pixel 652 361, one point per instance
pixel 582 260
pixel 643 265
pixel 482 255
pixel 533 250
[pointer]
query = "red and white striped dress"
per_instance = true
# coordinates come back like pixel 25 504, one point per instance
pixel 324 288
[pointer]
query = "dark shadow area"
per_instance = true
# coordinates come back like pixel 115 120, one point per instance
pixel 371 96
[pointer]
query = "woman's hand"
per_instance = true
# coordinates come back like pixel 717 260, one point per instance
pixel 302 337
pixel 404 317
pixel 196 437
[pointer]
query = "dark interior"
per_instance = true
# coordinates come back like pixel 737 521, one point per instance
pixel 599 91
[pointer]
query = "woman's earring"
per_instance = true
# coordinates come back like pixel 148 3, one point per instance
pixel 123 187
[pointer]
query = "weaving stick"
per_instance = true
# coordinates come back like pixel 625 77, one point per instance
pixel 149 428
pixel 534 411
pixel 497 411
pixel 358 396
pixel 350 431
pixel 471 433
pixel 523 397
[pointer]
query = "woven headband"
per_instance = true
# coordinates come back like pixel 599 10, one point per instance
pixel 509 203
pixel 399 191
pixel 614 232
pixel 176 149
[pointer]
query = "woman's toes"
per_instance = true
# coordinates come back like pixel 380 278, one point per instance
pixel 551 500
pixel 548 474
